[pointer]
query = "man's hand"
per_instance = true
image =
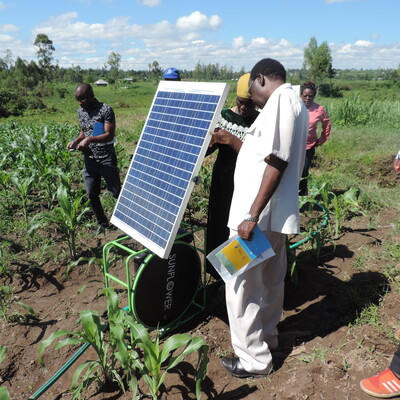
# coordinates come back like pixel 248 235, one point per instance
pixel 83 144
pixel 72 145
pixel 245 229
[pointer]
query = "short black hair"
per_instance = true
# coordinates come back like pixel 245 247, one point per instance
pixel 270 68
pixel 86 87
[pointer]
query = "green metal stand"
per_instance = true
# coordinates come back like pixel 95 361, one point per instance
pixel 198 302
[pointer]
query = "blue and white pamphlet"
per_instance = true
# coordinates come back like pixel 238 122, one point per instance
pixel 238 255
pixel 98 128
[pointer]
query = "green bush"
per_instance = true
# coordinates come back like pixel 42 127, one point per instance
pixel 15 104
pixel 11 103
pixel 329 90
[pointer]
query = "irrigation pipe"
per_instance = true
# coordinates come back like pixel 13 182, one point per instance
pixel 309 237
pixel 60 372
pixel 84 346
pixel 65 367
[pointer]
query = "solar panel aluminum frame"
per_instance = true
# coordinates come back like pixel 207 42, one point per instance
pixel 127 225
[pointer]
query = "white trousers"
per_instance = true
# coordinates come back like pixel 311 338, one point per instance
pixel 254 302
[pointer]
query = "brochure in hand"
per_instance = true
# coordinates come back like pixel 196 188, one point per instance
pixel 237 255
pixel 98 128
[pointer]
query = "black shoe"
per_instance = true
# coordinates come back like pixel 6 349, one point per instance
pixel 234 367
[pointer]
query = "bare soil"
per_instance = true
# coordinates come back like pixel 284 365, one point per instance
pixel 322 354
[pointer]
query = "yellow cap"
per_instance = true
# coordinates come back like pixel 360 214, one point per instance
pixel 243 86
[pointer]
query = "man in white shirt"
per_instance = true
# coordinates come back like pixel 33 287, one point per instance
pixel 267 175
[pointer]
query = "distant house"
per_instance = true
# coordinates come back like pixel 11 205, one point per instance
pixel 129 80
pixel 101 82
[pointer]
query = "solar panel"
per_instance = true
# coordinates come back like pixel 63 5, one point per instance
pixel 166 161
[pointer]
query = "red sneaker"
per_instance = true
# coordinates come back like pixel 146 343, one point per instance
pixel 385 385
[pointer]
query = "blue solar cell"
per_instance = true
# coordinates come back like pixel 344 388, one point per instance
pixel 160 178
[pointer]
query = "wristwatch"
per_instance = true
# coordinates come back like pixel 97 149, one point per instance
pixel 248 217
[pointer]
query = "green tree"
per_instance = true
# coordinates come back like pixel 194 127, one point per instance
pixel 6 62
pixel 114 62
pixel 44 53
pixel 27 75
pixel 318 61
pixel 155 70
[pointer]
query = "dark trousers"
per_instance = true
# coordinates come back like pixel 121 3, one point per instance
pixel 94 170
pixel 307 165
pixel 395 364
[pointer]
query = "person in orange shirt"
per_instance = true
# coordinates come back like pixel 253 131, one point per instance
pixel 317 114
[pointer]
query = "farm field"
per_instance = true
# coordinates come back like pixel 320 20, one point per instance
pixel 340 321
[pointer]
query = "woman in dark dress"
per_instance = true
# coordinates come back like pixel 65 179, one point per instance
pixel 227 138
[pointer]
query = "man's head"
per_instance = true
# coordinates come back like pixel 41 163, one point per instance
pixel 84 95
pixel 266 76
pixel 244 102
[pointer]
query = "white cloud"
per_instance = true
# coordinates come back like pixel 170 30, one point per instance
pixel 9 28
pixel 150 3
pixel 182 43
pixel 2 5
pixel 363 43
pixel 259 42
pixel 197 21
pixel 364 55
pixel 238 42
pixel 6 38
pixel 64 30
pixel 77 47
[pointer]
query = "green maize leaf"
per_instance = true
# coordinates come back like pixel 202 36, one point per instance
pixel 5 290
pixel 26 307
pixel 151 363
pixel 151 357
pixel 152 384
pixel 90 321
pixel 203 366
pixel 351 196
pixel 141 335
pixel 194 345
pixel 47 342
pixel 335 202
pixel 123 356
pixel 324 193
pixel 118 379
pixel 64 201
pixel 132 384
pixel 89 365
pixel 112 300
pixel 174 342
pixel 65 180
pixel 4 395
pixel 117 331
pixel 72 341
pixel 86 382
pixel 201 376
pixel 3 353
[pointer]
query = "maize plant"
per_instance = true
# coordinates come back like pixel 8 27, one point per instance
pixel 67 216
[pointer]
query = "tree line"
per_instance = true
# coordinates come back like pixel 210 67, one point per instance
pixel 24 83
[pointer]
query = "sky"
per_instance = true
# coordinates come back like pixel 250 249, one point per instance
pixel 181 33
